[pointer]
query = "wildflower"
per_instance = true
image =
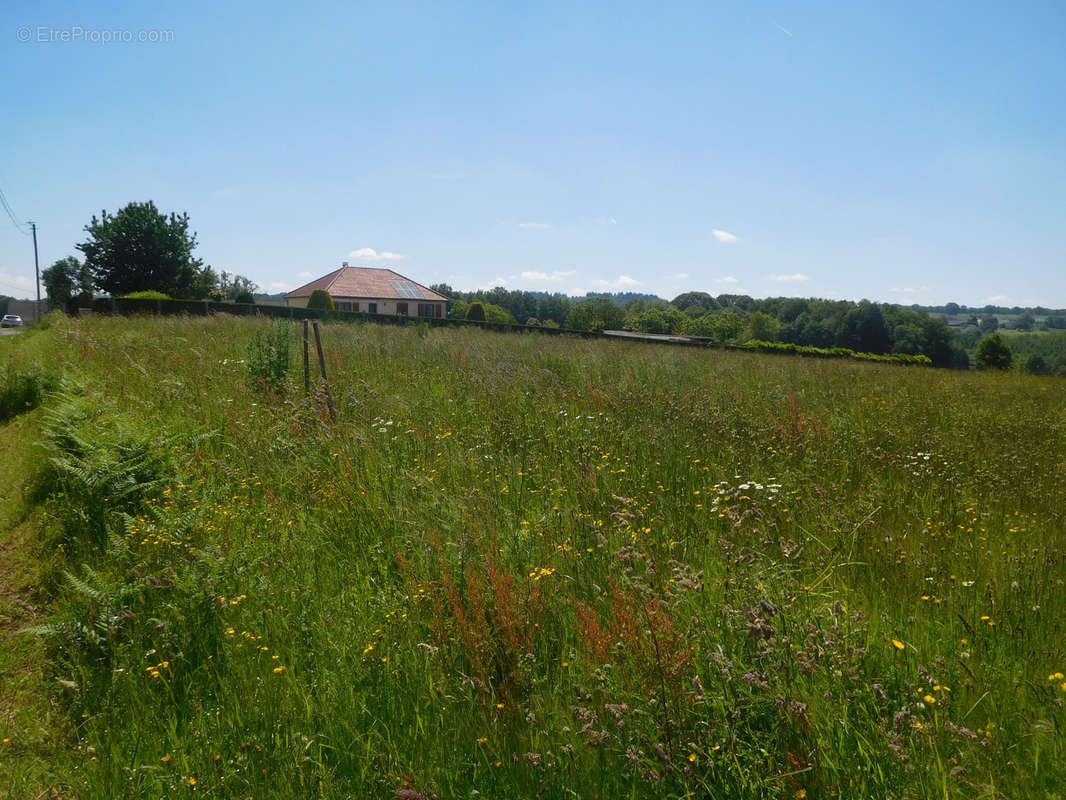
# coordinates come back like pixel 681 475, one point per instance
pixel 898 644
pixel 800 794
pixel 166 759
pixel 692 757
pixel 279 670
pixel 930 699
pixel 192 781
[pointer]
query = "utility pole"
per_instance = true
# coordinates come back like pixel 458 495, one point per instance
pixel 37 272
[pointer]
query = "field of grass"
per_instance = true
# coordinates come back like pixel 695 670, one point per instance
pixel 518 565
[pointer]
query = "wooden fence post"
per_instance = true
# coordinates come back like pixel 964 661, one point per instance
pixel 322 367
pixel 307 360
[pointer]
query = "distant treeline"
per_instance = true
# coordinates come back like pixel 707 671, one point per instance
pixel 954 309
pixel 728 319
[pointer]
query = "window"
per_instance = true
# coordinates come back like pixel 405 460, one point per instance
pixel 401 308
pixel 343 306
pixel 372 308
pixel 429 310
pixel 355 306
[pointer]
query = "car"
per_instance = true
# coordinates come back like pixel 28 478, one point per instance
pixel 11 321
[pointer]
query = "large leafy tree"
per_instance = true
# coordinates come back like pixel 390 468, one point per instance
pixel 139 248
pixel 66 279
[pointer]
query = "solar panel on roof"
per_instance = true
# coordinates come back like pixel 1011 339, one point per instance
pixel 407 289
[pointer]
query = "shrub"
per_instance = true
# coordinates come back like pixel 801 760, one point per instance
pixel 993 353
pixel 245 297
pixel 269 356
pixel 1036 365
pixel 148 294
pixel 321 300
pixel 476 311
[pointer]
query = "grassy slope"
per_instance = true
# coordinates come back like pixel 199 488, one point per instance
pixel 520 563
pixel 33 753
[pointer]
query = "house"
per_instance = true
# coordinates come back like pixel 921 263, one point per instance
pixel 373 291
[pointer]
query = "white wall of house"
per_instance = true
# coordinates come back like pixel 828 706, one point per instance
pixel 383 306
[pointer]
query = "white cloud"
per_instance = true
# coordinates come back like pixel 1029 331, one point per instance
pixel 370 254
pixel 304 274
pixel 621 282
pixel 724 236
pixel 796 277
pixel 493 284
pixel 727 280
pixel 279 286
pixel 534 226
pixel 554 275
pixel 997 299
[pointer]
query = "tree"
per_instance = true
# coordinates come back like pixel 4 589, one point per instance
pixel 68 279
pixel 989 324
pixel 596 314
pixel 993 353
pixel 1036 365
pixel 139 248
pixel 700 299
pixel 496 313
pixel 236 288
pixel 864 330
pixel 762 327
pixel 320 300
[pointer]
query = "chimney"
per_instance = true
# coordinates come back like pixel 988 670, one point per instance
pixel 344 263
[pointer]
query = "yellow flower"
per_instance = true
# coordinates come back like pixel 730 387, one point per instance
pixel 691 756
pixel 930 699
pixel 800 794
pixel 898 644
pixel 166 759
pixel 279 670
pixel 192 781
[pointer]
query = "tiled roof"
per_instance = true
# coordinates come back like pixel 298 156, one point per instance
pixel 368 282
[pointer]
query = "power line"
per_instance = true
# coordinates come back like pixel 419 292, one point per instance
pixel 14 288
pixel 18 225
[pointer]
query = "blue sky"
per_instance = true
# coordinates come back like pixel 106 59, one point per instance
pixel 903 152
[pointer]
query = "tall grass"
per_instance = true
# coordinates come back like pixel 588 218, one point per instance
pixel 521 564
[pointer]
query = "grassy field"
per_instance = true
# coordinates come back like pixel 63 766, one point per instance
pixel 519 566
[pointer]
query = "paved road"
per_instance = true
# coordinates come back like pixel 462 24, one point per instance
pixel 9 331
